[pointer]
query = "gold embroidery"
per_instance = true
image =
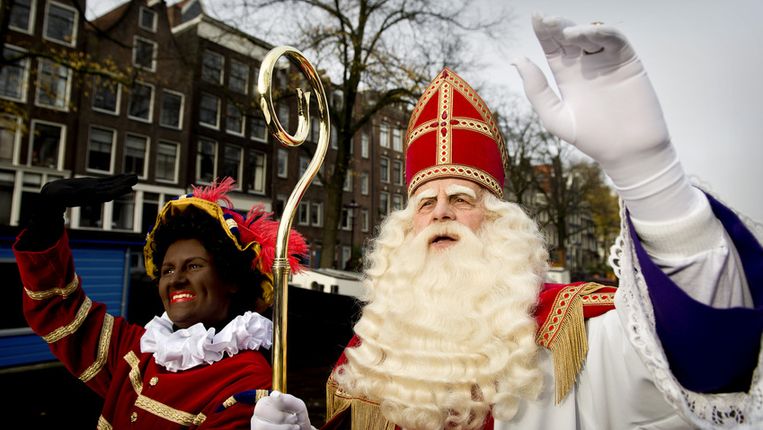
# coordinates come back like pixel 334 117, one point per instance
pixel 457 170
pixel 103 424
pixel 70 328
pixel 230 401
pixel 169 413
pixel 46 294
pixel 103 349
pixel 135 379
pixel 157 408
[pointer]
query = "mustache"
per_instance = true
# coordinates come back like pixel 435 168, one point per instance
pixel 444 230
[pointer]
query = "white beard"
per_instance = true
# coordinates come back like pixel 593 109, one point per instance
pixel 447 335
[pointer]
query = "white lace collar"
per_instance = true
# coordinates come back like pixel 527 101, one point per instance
pixel 189 347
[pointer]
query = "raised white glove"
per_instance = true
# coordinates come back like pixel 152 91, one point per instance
pixel 609 110
pixel 280 411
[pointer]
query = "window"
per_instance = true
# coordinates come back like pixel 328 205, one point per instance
pixel 166 161
pixel 232 163
pixel 9 133
pixel 209 110
pixel 234 121
pixel 21 15
pixel 283 163
pixel 144 53
pixel 206 161
pixel 316 214
pixel 141 102
pixel 53 82
pixel 345 219
pixel 347 186
pixel 106 94
pixel 258 161
pixel 91 215
pixel 99 149
pixel 397 172
pixel 136 148
pixel 61 24
pixel 364 221
pixel 397 201
pixel 303 213
pixel 283 115
pixel 150 209
pixel 212 67
pixel 384 136
pixel 383 203
pixel 13 76
pixel 364 145
pixel 334 140
pixel 346 255
pixel 364 183
pixel 397 140
pixel 303 163
pixel 315 129
pixel 171 114
pixel 46 149
pixel 147 19
pixel 384 169
pixel 239 76
pixel 123 212
pixel 258 130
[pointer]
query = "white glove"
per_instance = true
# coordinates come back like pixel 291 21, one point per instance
pixel 280 411
pixel 609 110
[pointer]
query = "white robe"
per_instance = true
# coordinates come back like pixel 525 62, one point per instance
pixel 626 382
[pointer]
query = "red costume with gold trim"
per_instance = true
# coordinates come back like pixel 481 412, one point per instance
pixel 104 352
pixel 561 313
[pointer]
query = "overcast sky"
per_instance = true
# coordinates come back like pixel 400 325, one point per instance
pixel 705 59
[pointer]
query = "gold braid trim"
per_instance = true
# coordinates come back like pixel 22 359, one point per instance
pixel 169 413
pixel 46 294
pixel 135 379
pixel 70 328
pixel 103 350
pixel 103 424
pixel 365 414
pixel 152 406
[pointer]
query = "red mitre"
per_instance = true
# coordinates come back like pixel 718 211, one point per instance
pixel 452 134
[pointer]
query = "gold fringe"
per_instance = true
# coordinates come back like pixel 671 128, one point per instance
pixel 569 349
pixel 365 415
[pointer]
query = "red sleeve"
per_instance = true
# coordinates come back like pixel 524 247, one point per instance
pixel 78 331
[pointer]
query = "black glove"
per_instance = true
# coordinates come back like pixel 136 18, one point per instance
pixel 46 223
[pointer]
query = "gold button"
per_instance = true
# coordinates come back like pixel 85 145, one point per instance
pixel 133 417
pixel 153 381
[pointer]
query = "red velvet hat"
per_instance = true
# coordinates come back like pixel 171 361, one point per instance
pixel 452 134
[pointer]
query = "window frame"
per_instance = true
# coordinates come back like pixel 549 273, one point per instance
pixel 136 41
pixel 148 120
pixel 117 102
pixel 146 153
pixel 75 24
pixel 239 167
pixel 25 66
pixel 67 89
pixel 221 70
pixel 254 155
pixel 154 19
pixel 285 173
pixel 176 163
pixel 245 89
pixel 214 161
pixel 241 129
pixel 112 151
pixel 31 19
pixel 215 126
pixel 61 143
pixel 181 109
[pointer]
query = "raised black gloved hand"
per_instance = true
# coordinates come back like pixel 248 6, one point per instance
pixel 46 223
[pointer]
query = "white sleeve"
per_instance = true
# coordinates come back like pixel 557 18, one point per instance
pixel 698 255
